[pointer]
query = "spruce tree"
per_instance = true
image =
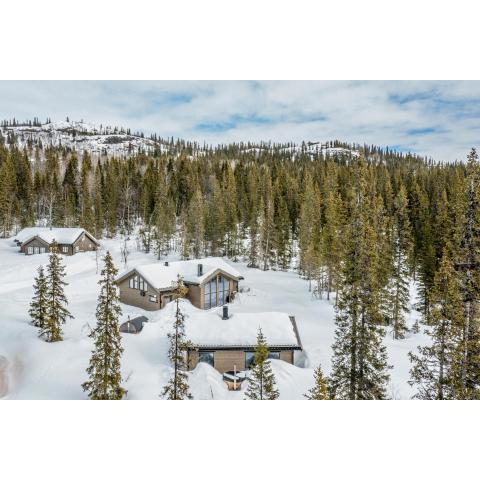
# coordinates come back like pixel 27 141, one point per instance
pixel 57 312
pixel 105 378
pixel 437 368
pixel 398 293
pixel 359 363
pixel 319 391
pixel 38 305
pixel 177 386
pixel 261 380
pixel 468 266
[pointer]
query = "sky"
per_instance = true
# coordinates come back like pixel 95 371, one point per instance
pixel 438 119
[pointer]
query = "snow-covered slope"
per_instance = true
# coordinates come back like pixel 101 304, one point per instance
pixel 104 140
pixel 80 136
pixel 38 370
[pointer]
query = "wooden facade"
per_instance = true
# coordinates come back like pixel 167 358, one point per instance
pixel 151 298
pixel 84 243
pixel 228 359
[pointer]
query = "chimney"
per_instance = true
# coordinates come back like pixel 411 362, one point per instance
pixel 166 264
pixel 225 312
pixel 199 269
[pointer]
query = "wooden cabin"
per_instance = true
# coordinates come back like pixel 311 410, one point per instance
pixel 227 342
pixel 35 240
pixel 211 282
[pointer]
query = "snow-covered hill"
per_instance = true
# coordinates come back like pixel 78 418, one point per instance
pixel 104 140
pixel 80 136
pixel 34 369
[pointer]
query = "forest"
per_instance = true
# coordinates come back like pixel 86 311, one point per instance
pixel 360 228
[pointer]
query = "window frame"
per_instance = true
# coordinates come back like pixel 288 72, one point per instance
pixel 204 352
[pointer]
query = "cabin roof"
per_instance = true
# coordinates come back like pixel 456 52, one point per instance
pixel 240 330
pixel 162 277
pixel 60 235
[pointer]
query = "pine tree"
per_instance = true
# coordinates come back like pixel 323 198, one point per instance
pixel 38 305
pixel 177 386
pixel 57 312
pixel 320 390
pixel 437 368
pixel 261 381
pixel 359 363
pixel 104 369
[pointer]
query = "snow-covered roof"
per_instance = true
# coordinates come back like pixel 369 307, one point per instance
pixel 160 276
pixel 208 329
pixel 60 235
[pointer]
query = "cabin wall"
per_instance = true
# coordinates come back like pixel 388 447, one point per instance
pixel 84 244
pixel 132 296
pixel 195 295
pixel 36 242
pixel 226 360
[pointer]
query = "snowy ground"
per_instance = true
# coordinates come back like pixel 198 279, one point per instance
pixel 38 370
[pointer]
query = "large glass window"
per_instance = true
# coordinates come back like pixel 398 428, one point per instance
pixel 206 357
pixel 275 355
pixel 216 292
pixel 223 290
pixel 249 357
pixel 142 284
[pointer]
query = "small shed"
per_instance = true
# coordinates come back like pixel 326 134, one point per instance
pixel 134 325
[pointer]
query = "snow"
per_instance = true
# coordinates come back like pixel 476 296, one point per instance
pixel 80 136
pixel 61 235
pixel 161 276
pixel 38 370
pixel 206 327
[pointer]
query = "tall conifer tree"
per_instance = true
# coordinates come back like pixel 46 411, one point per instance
pixel 105 378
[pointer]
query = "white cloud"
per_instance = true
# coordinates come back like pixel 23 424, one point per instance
pixel 372 112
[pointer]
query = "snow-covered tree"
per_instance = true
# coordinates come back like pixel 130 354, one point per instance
pixel 38 305
pixel 177 386
pixel 105 378
pixel 57 312
pixel 319 391
pixel 261 381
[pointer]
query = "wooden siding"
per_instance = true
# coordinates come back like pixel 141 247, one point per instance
pixel 287 356
pixel 195 295
pixel 35 242
pixel 226 360
pixel 132 296
pixel 84 244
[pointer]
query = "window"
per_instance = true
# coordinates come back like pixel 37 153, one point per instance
pixel 206 357
pixel 274 355
pixel 207 295
pixel 135 282
pixel 142 284
pixel 30 250
pixel 77 248
pixel 65 248
pixel 249 357
pixel 152 298
pixel 36 250
pixel 42 249
pixel 223 290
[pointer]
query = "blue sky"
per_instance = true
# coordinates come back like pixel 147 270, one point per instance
pixel 440 119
